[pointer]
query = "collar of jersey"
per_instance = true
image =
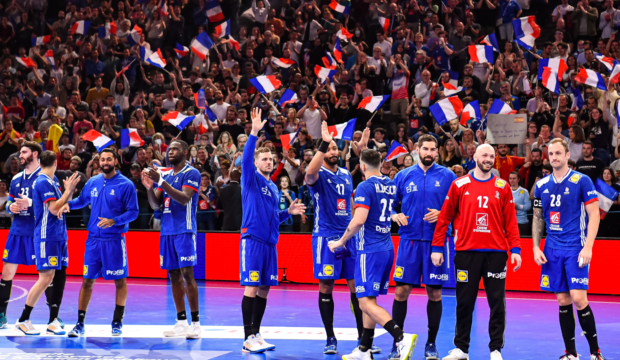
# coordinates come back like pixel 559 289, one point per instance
pixel 180 171
pixel 562 179
pixel 375 176
pixel 331 172
pixel 418 168
pixel 32 173
pixel 482 181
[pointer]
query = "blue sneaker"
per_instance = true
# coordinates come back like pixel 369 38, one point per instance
pixel 374 350
pixel 430 352
pixel 331 346
pixel 3 321
pixel 78 330
pixel 394 355
pixel 117 328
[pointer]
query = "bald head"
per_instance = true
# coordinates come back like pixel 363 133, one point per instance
pixel 485 157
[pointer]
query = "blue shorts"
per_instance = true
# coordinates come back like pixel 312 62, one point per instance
pixel 19 250
pixel 259 263
pixel 372 273
pixel 326 267
pixel 413 262
pixel 177 251
pixel 51 255
pixel 107 259
pixel 562 273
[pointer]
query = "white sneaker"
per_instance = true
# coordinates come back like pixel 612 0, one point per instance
pixel 27 328
pixel 358 354
pixel 252 346
pixel 496 355
pixel 406 345
pixel 263 343
pixel 194 331
pixel 570 357
pixel 55 328
pixel 456 354
pixel 181 328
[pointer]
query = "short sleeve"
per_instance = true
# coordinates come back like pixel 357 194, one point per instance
pixel 47 191
pixel 588 191
pixel 362 198
pixel 536 191
pixel 192 180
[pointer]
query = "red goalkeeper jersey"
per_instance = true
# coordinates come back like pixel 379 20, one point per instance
pixel 484 216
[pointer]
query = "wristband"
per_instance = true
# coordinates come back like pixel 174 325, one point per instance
pixel 161 181
pixel 324 146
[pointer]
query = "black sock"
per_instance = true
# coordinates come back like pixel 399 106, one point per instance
pixel 119 313
pixel 182 315
pixel 260 304
pixel 366 339
pixel 54 310
pixel 433 313
pixel 588 325
pixel 195 316
pixel 399 312
pixel 26 313
pixel 394 330
pixel 55 292
pixel 5 294
pixel 81 316
pixel 326 307
pixel 359 321
pixel 567 324
pixel 247 305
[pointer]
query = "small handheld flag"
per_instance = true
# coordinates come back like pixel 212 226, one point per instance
pixel 177 119
pixel 266 83
pixel 396 150
pixel 343 131
pixel 130 137
pixel 98 139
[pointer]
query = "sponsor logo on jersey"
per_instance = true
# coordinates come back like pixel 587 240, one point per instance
pixel 6 254
pixel 359 289
pixel 462 181
pixel 437 184
pixel 546 191
pixel 266 191
pixel 385 189
pixel 500 183
pixel 593 192
pixel 442 277
pixel 167 205
pixel 575 178
pixel 376 286
pixel 497 194
pixel 462 276
pixel 48 193
pixel 274 277
pixel 466 192
pixel 94 193
pixel 501 275
pixel 544 282
pixel 482 219
pixel 522 192
pixel 398 272
pixel 360 198
pixel 161 260
pixel 191 182
pixel 85 271
pixel 341 204
pixel 328 270
pixel 412 187
pixel 112 192
pixel 383 230
pixel 387 284
pixel 115 272
pixel 254 276
pixel 583 281
pixel 52 260
pixel 188 258
pixel 554 217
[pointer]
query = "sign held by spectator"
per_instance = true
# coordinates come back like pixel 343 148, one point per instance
pixel 507 129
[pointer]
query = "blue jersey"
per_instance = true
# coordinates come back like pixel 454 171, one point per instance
pixel 114 198
pixel 378 195
pixel 261 206
pixel 22 184
pixel 564 207
pixel 176 218
pixel 331 195
pixel 48 227
pixel 419 191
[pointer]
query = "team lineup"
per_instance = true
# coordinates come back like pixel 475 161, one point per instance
pixel 351 240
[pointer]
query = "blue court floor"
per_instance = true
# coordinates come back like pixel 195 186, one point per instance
pixel 292 323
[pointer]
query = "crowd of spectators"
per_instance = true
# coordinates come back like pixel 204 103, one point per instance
pixel 404 48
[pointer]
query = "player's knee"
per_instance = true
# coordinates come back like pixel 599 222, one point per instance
pixel 326 286
pixel 365 304
pixel 564 299
pixel 88 284
pixel 188 274
pixel 402 292
pixel 433 292
pixel 46 277
pixel 175 275
pixel 250 291
pixel 263 291
pixel 580 300
pixel 120 284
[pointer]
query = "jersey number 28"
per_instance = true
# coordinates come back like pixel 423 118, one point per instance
pixel 556 201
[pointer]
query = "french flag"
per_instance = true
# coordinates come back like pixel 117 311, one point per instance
pixel 133 38
pixel 283 63
pixel 592 78
pixel 107 29
pixel 26 61
pixel 372 103
pixel 49 56
pixel 338 51
pixel 210 114
pixel 41 40
pixel 615 75
pixel 344 34
pixel 130 137
pixel 490 40
pixel 181 51
pixel 289 97
pixel 222 29
pixel 471 112
pixel 324 73
pixel 345 10
pixel 557 65
pixel 343 131
pixel 481 54
pixel 98 139
pixel 446 109
pixel 288 140
pixel 550 80
pixel 162 8
pixel 163 171
pixel 396 150
pixel 451 87
pixel 201 45
pixel 201 125
pixel 266 83
pixel 214 11
pixel 145 53
pixel 177 119
pixel 577 100
pixel 526 31
pixel 233 42
pixel 80 27
pixel 157 59
pixel 329 61
pixel 607 61
pixel 200 99
pixel 385 23
pixel 500 107
pixel 606 196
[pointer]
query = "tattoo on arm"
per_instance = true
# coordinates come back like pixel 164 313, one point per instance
pixel 538 226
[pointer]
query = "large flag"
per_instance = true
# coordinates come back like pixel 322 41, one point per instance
pixel 526 31
pixel 500 107
pixel 324 73
pixel 345 10
pixel 343 131
pixel 372 103
pixel 550 80
pixel 471 112
pixel 329 61
pixel 282 62
pixel 289 97
pixel 177 119
pixel 157 59
pixel 201 45
pixel 288 140
pixel 491 40
pixel 98 139
pixel 130 137
pixel 481 54
pixel 396 150
pixel 181 51
pixel 80 27
pixel 222 29
pixel 145 53
pixel 592 78
pixel 385 24
pixel 557 65
pixel 214 11
pixel 53 138
pixel 606 196
pixel 446 109
pixel 41 40
pixel 266 83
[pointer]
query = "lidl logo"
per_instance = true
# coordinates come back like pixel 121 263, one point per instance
pixel 328 270
pixel 462 275
pixel 254 276
pixel 545 281
pixel 6 254
pixel 500 183
pixel 53 260
pixel 161 260
pixel 398 272
pixel 575 178
pixel 85 270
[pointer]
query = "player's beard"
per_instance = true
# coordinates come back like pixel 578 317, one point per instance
pixel 107 169
pixel 331 161
pixel 27 160
pixel 481 167
pixel 427 161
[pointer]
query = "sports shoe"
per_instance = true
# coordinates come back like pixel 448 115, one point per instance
pixel 430 352
pixel 27 328
pixel 394 353
pixel 194 331
pixel 62 324
pixel 265 345
pixel 406 345
pixel 181 328
pixel 597 356
pixel 568 356
pixel 54 328
pixel 78 330
pixel 496 355
pixel 358 354
pixel 456 354
pixel 331 346
pixel 373 350
pixel 117 328
pixel 3 321
pixel 252 346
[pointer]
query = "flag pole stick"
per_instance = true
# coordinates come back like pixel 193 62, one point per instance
pixel 272 104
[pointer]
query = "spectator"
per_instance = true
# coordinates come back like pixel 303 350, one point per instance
pixel 505 163
pixel 229 201
pixel 522 203
pixel 589 165
pixel 205 216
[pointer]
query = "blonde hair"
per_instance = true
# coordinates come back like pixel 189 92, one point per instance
pixel 561 142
